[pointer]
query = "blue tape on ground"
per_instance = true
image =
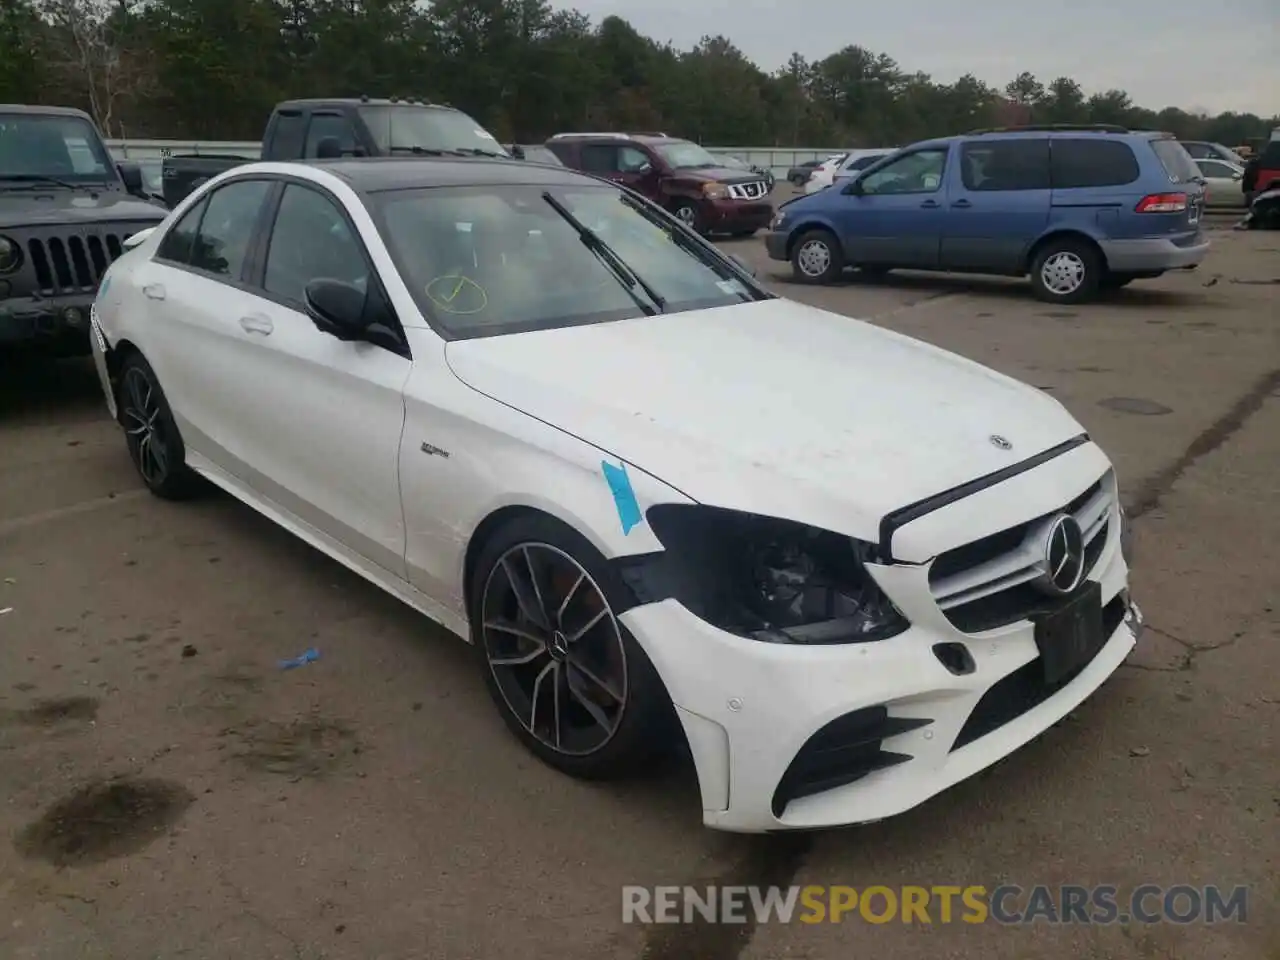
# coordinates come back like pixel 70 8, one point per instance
pixel 623 496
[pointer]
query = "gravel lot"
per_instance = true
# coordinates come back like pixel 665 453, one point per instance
pixel 371 805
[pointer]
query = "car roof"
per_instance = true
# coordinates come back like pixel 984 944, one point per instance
pixel 37 110
pixel 301 102
pixel 380 174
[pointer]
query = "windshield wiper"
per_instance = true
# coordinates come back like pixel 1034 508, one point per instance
pixel 689 245
pixel 482 152
pixel 626 276
pixel 34 178
pixel 420 151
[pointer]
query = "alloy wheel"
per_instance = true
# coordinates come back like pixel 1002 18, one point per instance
pixel 813 258
pixel 1063 273
pixel 687 215
pixel 554 647
pixel 144 427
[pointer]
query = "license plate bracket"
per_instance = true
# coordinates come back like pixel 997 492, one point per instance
pixel 1072 635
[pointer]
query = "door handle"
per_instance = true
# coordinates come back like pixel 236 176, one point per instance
pixel 930 205
pixel 153 291
pixel 962 203
pixel 257 323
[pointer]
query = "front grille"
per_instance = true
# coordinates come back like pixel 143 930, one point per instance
pixel 748 191
pixel 845 750
pixel 989 583
pixel 72 263
pixel 1025 688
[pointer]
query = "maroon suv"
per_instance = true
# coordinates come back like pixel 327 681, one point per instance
pixel 677 174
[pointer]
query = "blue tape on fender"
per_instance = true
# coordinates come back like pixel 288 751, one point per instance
pixel 624 498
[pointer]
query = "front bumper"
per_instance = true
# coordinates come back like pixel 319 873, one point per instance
pixel 1153 254
pixel 775 244
pixel 750 708
pixel 54 321
pixel 732 216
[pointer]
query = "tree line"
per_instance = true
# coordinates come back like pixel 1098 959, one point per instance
pixel 213 69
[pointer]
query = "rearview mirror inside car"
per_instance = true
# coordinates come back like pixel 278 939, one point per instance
pixel 338 308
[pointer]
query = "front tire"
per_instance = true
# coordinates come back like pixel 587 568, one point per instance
pixel 817 257
pixel 154 443
pixel 687 214
pixel 569 680
pixel 1066 271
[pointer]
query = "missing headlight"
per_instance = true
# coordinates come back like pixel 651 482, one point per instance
pixel 764 578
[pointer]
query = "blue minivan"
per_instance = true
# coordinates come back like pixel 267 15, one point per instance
pixel 1079 209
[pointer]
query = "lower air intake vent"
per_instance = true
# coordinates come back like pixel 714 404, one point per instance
pixel 845 750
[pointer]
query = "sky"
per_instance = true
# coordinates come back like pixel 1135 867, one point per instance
pixel 1222 55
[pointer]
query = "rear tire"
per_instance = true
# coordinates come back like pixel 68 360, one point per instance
pixel 816 257
pixel 1066 271
pixel 155 445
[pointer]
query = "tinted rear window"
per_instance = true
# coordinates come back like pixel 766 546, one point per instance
pixel 1176 161
pixel 1080 162
pixel 1016 164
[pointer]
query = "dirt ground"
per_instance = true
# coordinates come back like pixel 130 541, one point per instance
pixel 169 791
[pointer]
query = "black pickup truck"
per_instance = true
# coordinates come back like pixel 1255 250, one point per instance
pixel 363 127
pixel 66 209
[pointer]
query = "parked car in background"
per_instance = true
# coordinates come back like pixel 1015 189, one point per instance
pixel 1268 177
pixel 533 152
pixel 1206 150
pixel 824 173
pixel 66 208
pixel 1079 209
pixel 856 162
pixel 327 129
pixel 737 163
pixel 843 569
pixel 1223 183
pixel 678 175
pixel 801 172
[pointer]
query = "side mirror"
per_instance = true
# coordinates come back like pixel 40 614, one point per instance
pixel 747 268
pixel 337 308
pixel 517 151
pixel 131 176
pixel 1237 175
pixel 137 239
pixel 854 189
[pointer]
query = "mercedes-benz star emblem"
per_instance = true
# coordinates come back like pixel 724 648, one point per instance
pixel 1063 556
pixel 999 441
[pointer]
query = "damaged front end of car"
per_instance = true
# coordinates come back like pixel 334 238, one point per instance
pixel 763 578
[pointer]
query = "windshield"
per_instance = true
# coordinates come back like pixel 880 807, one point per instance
pixel 684 155
pixel 404 127
pixel 62 147
pixel 483 261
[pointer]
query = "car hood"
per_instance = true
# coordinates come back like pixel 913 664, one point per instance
pixel 772 407
pixel 717 174
pixel 57 205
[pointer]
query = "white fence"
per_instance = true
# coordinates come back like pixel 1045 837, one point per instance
pixel 778 159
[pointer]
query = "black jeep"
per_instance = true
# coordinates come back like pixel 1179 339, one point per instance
pixel 65 209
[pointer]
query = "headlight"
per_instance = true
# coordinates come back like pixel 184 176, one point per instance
pixel 777 220
pixel 763 578
pixel 715 191
pixel 10 255
pixel 1126 539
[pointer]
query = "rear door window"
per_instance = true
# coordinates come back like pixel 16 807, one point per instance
pixel 1083 162
pixel 230 217
pixel 286 136
pixel 600 158
pixel 1176 161
pixel 325 126
pixel 1003 165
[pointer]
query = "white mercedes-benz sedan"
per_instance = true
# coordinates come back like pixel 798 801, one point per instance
pixel 844 568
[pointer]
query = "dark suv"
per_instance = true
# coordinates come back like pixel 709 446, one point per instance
pixel 66 209
pixel 676 174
